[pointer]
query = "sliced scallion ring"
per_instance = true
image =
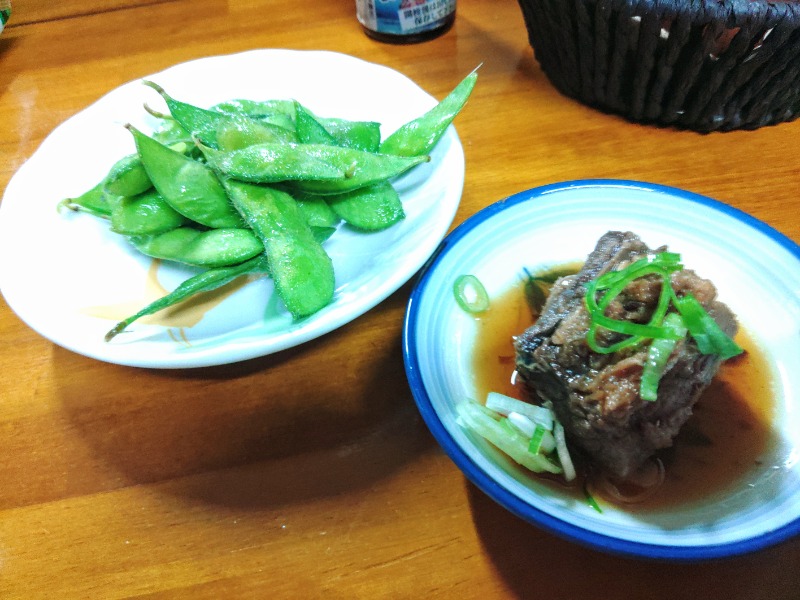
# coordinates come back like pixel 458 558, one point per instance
pixel 470 294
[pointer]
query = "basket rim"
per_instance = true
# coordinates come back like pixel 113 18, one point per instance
pixel 733 13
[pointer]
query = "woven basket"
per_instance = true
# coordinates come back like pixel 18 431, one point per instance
pixel 705 65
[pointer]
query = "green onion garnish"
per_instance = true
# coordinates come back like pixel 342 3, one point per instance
pixel 535 445
pixel 657 356
pixel 470 294
pixel 590 499
pixel 663 331
pixel 613 283
pixel 707 334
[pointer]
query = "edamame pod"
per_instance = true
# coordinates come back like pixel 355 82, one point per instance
pixel 92 201
pixel 145 214
pixel 127 177
pixel 322 233
pixel 212 248
pixel 315 168
pixel 361 135
pixel 171 133
pixel 202 282
pixel 371 208
pixel 188 185
pixel 316 211
pixel 259 109
pixel 300 267
pixel 363 168
pixel 204 124
pixel 309 130
pixel 418 137
pixel 271 163
pixel 234 134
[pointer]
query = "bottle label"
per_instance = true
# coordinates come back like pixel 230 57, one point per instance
pixel 403 17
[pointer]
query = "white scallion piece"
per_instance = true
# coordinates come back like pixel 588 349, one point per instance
pixel 522 423
pixel 473 416
pixel 505 405
pixel 545 442
pixel 563 452
pixel 548 443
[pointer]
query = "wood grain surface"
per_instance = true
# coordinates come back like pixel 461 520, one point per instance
pixel 309 473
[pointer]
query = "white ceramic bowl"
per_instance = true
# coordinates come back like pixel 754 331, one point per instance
pixel 757 273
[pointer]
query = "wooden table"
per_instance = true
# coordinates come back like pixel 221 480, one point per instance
pixel 123 482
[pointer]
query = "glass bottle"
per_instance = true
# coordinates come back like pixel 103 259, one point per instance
pixel 405 21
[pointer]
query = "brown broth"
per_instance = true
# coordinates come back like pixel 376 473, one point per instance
pixel 721 442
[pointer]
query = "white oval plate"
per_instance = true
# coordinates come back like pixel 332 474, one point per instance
pixel 77 264
pixel 757 273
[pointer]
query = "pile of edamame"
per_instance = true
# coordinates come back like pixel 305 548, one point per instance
pixel 256 187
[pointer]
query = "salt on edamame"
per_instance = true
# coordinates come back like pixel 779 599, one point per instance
pixel 270 183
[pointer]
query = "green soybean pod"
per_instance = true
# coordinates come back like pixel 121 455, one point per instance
pixel 322 233
pixel 309 130
pixel 145 214
pixel 235 133
pixel 362 168
pixel 271 163
pixel 371 208
pixel 282 111
pixel 127 177
pixel 202 282
pixel 301 269
pixel 92 201
pixel 316 211
pixel 211 248
pixel 419 136
pixel 279 113
pixel 204 124
pixel 170 133
pixel 188 185
pixel 315 168
pixel 361 135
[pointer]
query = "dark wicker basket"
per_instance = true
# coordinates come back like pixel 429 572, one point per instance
pixel 705 65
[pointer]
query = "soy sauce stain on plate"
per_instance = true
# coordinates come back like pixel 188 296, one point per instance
pixel 183 315
pixel 722 441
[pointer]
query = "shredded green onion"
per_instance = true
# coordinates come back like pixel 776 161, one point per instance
pixel 590 499
pixel 635 329
pixel 663 331
pixel 657 357
pixel 470 294
pixel 613 283
pixel 535 445
pixel 703 328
